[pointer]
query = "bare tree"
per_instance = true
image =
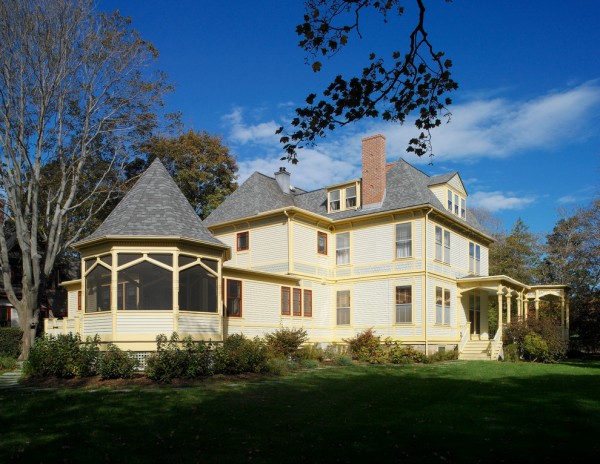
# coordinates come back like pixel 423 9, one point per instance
pixel 76 92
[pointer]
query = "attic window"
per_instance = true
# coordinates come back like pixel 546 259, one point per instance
pixel 343 197
pixel 243 242
pixel 457 205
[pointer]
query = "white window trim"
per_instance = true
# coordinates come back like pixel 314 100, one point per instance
pixel 404 304
pixel 409 240
pixel 338 249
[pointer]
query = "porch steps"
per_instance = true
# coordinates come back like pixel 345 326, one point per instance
pixel 476 350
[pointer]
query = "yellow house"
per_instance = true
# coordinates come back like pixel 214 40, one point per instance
pixel 395 250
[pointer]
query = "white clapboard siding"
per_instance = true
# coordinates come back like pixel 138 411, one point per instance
pixel 440 191
pixel 371 304
pixel 72 304
pixel 145 322
pixel 485 256
pixel 199 323
pixel 305 243
pixel 456 184
pixel 97 324
pixel 433 329
pixel 373 244
pixel 269 244
pixel 417 238
pixel 459 253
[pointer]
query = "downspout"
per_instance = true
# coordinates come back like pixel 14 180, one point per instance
pixel 426 289
pixel 290 244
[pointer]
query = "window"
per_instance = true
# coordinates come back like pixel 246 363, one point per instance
pixel 404 304
pixel 342 248
pixel 285 301
pixel 463 208
pixel 97 290
pixel 442 244
pixel 297 302
pixel 334 200
pixel 243 241
pixel 351 197
pixel 197 290
pixel 234 298
pixel 343 198
pixel 403 240
pixel 307 303
pixel 450 200
pixel 322 243
pixel 5 316
pixel 456 204
pixel 447 246
pixel 474 258
pixel 442 306
pixel 343 307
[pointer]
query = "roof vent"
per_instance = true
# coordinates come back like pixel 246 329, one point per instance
pixel 283 179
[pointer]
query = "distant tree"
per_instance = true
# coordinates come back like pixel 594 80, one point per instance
pixel 516 255
pixel 572 257
pixel 490 223
pixel 75 95
pixel 200 163
pixel 415 82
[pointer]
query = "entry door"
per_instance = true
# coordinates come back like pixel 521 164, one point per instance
pixel 475 314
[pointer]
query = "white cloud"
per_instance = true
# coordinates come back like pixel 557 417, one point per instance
pixel 243 133
pixel 497 201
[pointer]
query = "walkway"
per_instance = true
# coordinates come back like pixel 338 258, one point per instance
pixel 11 379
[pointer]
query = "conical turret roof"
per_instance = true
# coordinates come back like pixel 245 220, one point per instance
pixel 155 207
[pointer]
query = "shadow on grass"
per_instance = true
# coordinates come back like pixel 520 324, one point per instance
pixel 471 412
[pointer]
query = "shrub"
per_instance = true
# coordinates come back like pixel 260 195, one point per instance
pixel 309 363
pixel 63 356
pixel 7 363
pixel 240 354
pixel 364 346
pixel 535 348
pixel 280 366
pixel 169 361
pixel 116 364
pixel 343 360
pixel 405 354
pixel 440 356
pixel 10 341
pixel 511 353
pixel 312 352
pixel 551 334
pixel 284 342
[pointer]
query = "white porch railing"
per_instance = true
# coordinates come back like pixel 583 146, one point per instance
pixel 497 350
pixel 465 332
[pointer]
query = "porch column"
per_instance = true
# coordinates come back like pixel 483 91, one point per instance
pixel 562 312
pixel 537 307
pixel 519 307
pixel 567 311
pixel 525 307
pixel 508 307
pixel 499 293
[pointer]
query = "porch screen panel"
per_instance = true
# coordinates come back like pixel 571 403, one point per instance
pixel 197 290
pixel 97 288
pixel 145 286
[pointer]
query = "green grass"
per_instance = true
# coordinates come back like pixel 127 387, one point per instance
pixel 450 412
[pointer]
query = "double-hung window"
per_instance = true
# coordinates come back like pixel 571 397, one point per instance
pixel 351 197
pixel 442 244
pixel 403 240
pixel 474 258
pixel 450 196
pixel 442 306
pixel 234 298
pixel 285 301
pixel 243 241
pixel 404 304
pixel 307 303
pixel 297 302
pixel 342 248
pixel 334 200
pixel 463 208
pixel 343 307
pixel 456 204
pixel 322 243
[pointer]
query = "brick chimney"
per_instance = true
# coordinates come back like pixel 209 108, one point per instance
pixel 373 170
pixel 283 179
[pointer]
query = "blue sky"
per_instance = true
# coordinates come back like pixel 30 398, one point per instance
pixel 524 133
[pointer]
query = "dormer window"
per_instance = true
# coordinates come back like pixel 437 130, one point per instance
pixel 343 197
pixel 351 197
pixel 334 200
pixel 457 205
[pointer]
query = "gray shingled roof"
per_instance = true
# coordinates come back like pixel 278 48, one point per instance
pixel 155 207
pixel 406 187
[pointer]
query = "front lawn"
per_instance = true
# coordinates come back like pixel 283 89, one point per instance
pixel 449 412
